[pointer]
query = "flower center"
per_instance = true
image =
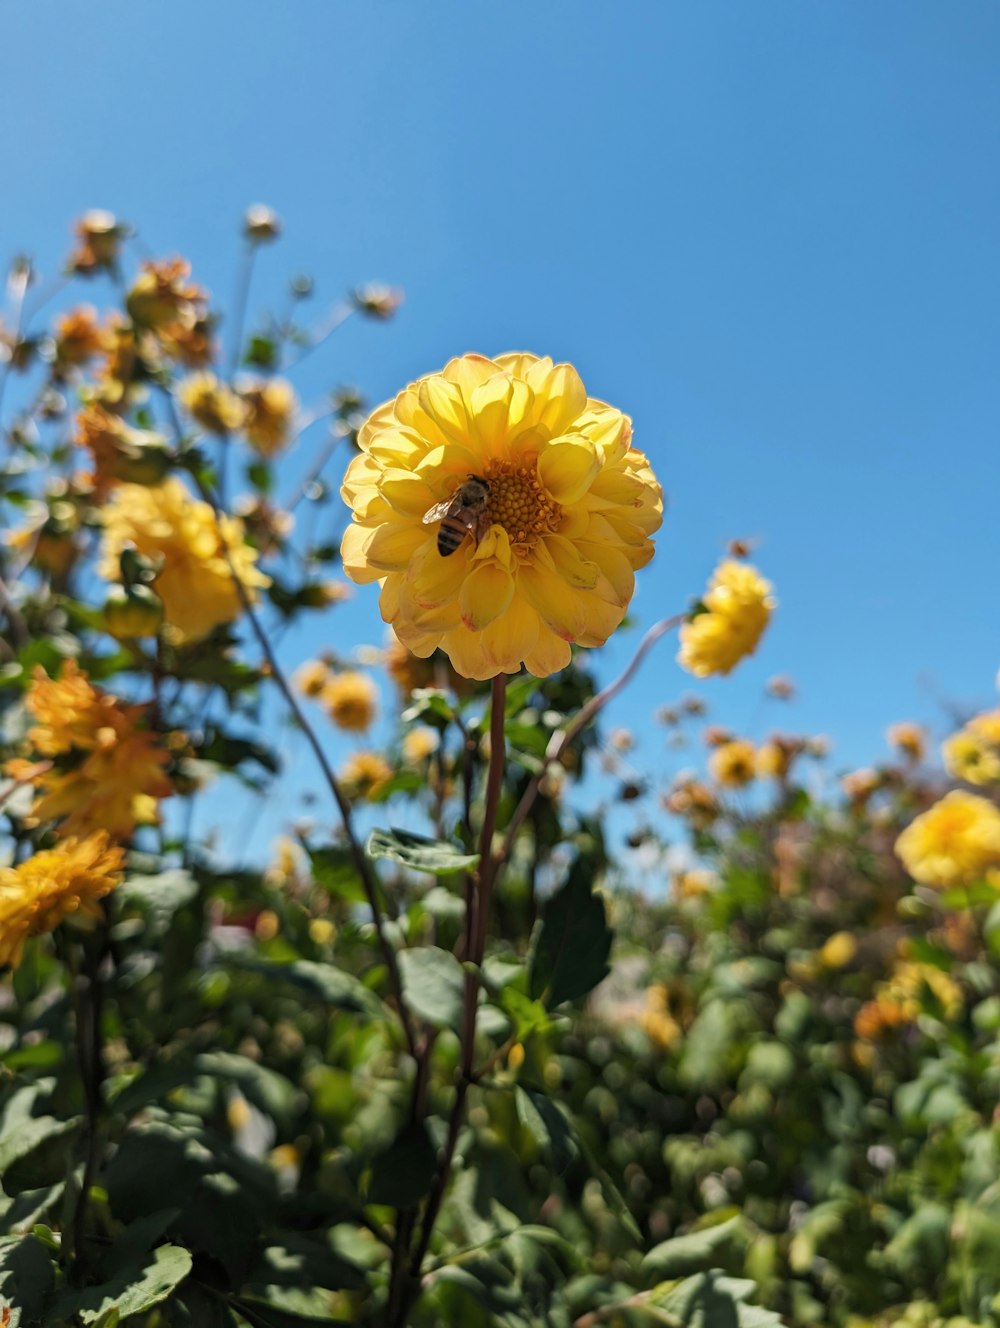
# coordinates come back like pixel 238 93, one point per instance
pixel 519 503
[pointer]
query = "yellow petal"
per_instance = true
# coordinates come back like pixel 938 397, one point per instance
pixel 548 655
pixel 512 637
pixel 443 402
pixel 432 580
pixel 468 657
pixel 394 543
pixel 486 592
pixel 574 570
pixel 568 467
pixel 353 552
pixel 406 493
pixel 559 395
pixel 557 605
pixel 614 565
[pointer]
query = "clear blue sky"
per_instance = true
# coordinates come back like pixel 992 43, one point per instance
pixel 770 232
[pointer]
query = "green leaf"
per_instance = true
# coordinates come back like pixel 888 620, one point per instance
pixel 436 856
pixel 319 982
pixel 134 1290
pixel 261 1314
pixel 26 1278
pixel 711 1300
pixel 159 897
pixel 403 1174
pixel 691 1252
pixel 547 1125
pixel 334 869
pixel 570 955
pixel 433 985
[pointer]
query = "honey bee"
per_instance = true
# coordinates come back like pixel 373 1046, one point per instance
pixel 460 515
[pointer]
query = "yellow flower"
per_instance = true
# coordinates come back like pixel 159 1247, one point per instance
pixel 312 677
pixel 419 744
pixel 909 980
pixel 908 738
pixel 99 236
pixel 364 775
pixel 775 757
pixel 838 950
pixel 78 337
pixel 695 883
pixel 973 753
pixel 194 581
pixel 738 606
pixel 269 407
pixel 955 842
pixel 860 785
pixel 211 403
pixel 55 884
pixel 733 764
pixel 351 699
pixel 104 769
pixel 564 525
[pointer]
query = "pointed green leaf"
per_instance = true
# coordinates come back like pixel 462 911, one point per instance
pixel 436 856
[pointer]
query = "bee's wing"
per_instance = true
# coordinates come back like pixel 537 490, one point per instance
pixel 439 511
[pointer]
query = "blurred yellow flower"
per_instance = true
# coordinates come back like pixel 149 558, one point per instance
pixel 838 950
pixel 859 785
pixel 560 517
pixel 269 412
pixel 211 403
pixel 364 775
pixel 973 753
pixel 955 842
pixel 908 738
pixel 738 606
pixel 312 677
pixel 99 237
pixel 194 581
pixel 163 302
pixel 910 981
pixel 774 758
pixel 419 744
pixel 100 768
pixel 733 765
pixel 55 884
pixel 78 337
pixel 118 451
pixel 351 700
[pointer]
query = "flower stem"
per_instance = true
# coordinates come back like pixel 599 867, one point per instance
pixel 89 1002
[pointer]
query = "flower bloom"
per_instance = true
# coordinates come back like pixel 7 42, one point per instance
pixel 737 607
pixel 350 699
pixel 907 738
pixel 211 403
pixel 973 753
pixel 269 412
pixel 955 842
pixel 93 764
pixel 54 884
pixel 174 310
pixel 419 744
pixel 99 237
pixel 78 336
pixel 194 581
pixel 364 775
pixel 312 677
pixel 564 525
pixel 734 764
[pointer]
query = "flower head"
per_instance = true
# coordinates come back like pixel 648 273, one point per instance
pixel 560 519
pixel 973 753
pixel 211 403
pixel 737 607
pixel 907 738
pixel 419 744
pixel 269 412
pixel 100 767
pixel 955 842
pixel 312 677
pixel 190 544
pixel 350 699
pixel 78 337
pixel 55 884
pixel 364 775
pixel 733 765
pixel 99 236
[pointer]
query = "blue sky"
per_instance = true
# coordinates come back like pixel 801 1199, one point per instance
pixel 770 232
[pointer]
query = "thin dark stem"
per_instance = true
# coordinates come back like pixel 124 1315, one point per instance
pixel 364 869
pixel 315 470
pixel 563 737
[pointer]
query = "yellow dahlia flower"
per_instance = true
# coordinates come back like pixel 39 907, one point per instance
pixel 907 738
pixel 738 606
pixel 419 744
pixel 734 764
pixel 351 700
pixel 211 403
pixel 955 842
pixel 101 769
pixel 194 581
pixel 312 677
pixel 973 753
pixel 562 522
pixel 365 774
pixel 270 406
pixel 54 884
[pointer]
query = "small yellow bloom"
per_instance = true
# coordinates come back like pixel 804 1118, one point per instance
pixel 321 931
pixel 907 738
pixel 955 842
pixel 104 769
pixel 560 529
pixel 419 744
pixel 171 528
pixel 909 981
pixel 312 677
pixel 377 300
pixel 860 785
pixel 738 606
pixel 838 950
pixel 163 302
pixel 78 337
pixel 99 237
pixel 211 403
pixel 55 884
pixel 269 412
pixel 696 883
pixel 267 926
pixel 973 753
pixel 775 757
pixel 364 775
pixel 733 765
pixel 351 700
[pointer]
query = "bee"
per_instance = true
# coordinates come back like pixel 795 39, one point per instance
pixel 460 515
